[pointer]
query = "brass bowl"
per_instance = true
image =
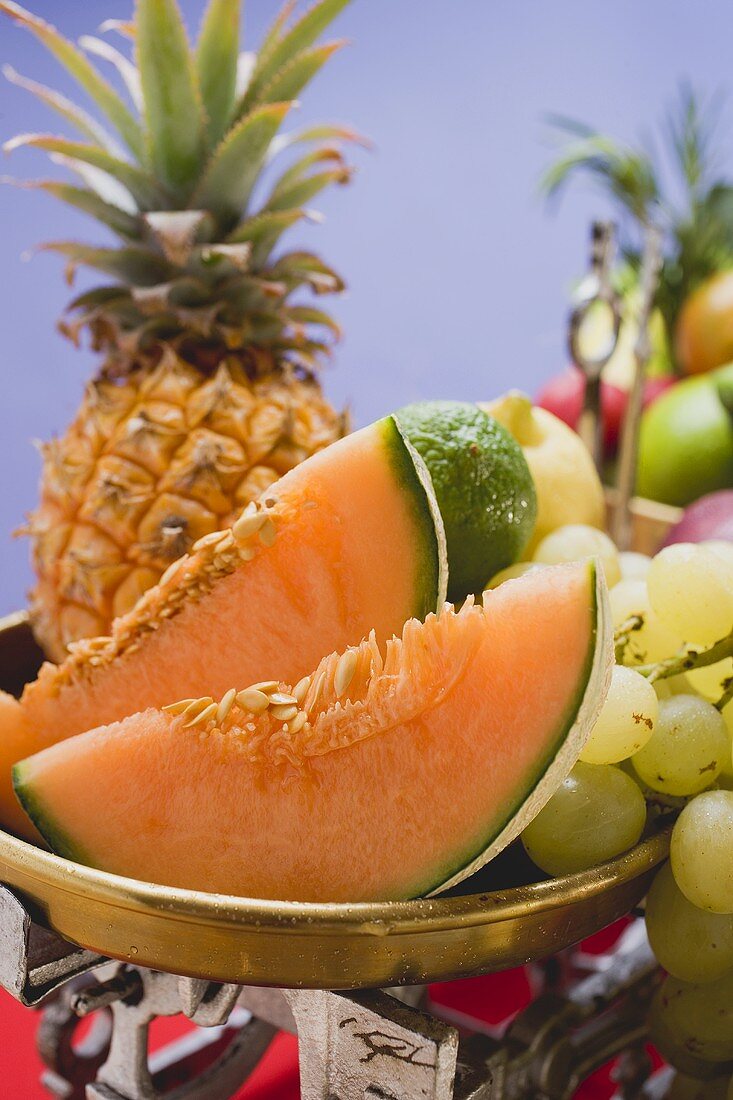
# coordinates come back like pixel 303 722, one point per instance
pixel 336 946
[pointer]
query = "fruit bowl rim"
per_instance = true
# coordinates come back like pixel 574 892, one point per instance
pixel 424 914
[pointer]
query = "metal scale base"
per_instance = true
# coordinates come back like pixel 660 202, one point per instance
pixel 367 1045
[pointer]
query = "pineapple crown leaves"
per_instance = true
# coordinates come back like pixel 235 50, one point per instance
pixel 627 174
pixel 175 171
pixel 698 229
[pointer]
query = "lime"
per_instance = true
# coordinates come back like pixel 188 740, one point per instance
pixel 686 440
pixel 483 485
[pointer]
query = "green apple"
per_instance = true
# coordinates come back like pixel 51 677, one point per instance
pixel 686 440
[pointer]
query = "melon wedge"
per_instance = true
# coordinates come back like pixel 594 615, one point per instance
pixel 419 760
pixel 352 541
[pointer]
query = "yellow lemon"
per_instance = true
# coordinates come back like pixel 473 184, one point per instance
pixel 568 487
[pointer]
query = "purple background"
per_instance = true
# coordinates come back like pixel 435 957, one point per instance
pixel 457 275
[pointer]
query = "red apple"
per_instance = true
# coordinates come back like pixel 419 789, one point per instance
pixel 710 517
pixel 563 396
pixel 654 387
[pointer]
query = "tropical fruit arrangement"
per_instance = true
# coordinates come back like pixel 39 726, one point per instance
pixel 388 703
pixel 686 445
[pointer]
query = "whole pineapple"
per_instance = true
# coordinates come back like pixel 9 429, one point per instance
pixel 207 390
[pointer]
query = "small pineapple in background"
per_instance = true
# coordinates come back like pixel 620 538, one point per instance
pixel 687 194
pixel 207 391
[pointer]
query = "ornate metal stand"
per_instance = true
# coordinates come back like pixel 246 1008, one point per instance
pixel 377 1045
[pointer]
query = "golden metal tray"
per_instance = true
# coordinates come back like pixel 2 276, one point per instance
pixel 301 945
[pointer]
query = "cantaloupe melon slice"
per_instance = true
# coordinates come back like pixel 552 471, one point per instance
pixel 16 740
pixel 349 541
pixel 417 763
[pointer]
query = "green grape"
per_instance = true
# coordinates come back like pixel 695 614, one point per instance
pixel 576 541
pixel 626 721
pixel 690 943
pixel 692 1025
pixel 727 770
pixel 634 566
pixel 689 1088
pixel 597 813
pixel 688 748
pixel 673 685
pixel 721 547
pixel 691 590
pixel 709 681
pixel 702 851
pixel 652 641
pixel 517 570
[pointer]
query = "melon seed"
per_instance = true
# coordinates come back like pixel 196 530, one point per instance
pixel 196 707
pixel 268 686
pixel 200 719
pixel 226 542
pixel 225 705
pixel 268 533
pixel 179 707
pixel 318 687
pixel 170 572
pixel 253 700
pixel 285 712
pixel 280 699
pixel 298 722
pixel 208 540
pixel 247 525
pixel 345 669
pixel 301 689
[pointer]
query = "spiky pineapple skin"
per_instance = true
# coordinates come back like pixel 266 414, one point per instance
pixel 153 460
pixel 208 390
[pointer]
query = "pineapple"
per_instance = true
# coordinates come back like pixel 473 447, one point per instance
pixel 696 212
pixel 208 386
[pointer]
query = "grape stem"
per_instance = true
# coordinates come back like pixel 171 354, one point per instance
pixel 689 659
pixel 622 635
pixel 727 695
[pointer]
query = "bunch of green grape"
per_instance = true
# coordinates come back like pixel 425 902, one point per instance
pixel 663 741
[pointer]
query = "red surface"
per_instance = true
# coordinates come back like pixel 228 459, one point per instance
pixel 486 1001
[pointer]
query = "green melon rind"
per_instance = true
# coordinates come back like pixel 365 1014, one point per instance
pixel 432 561
pixel 581 716
pixel 57 839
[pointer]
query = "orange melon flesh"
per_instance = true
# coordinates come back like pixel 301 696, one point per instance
pixel 446 743
pixel 359 545
pixel 16 737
